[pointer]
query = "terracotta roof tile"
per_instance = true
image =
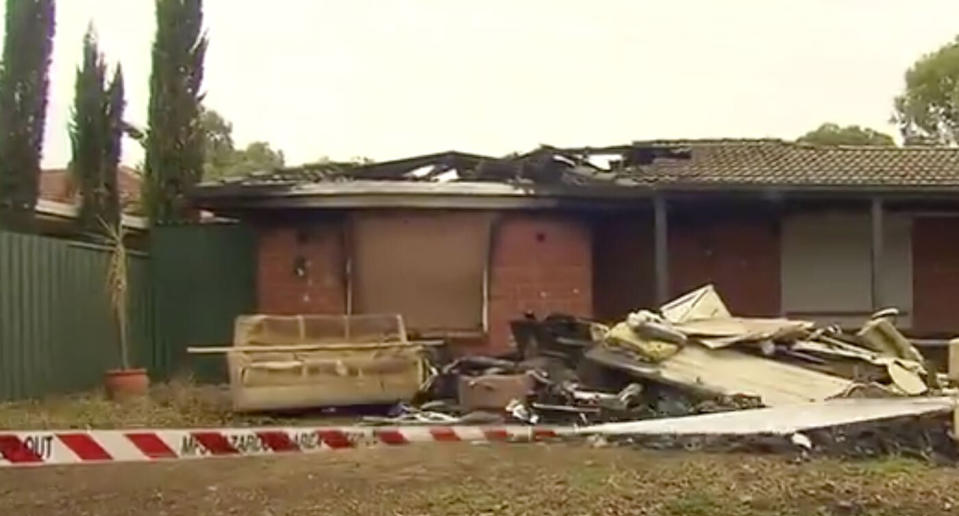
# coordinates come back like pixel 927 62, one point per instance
pixel 732 163
pixel 57 185
pixel 778 163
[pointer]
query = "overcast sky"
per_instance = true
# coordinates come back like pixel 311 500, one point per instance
pixel 387 79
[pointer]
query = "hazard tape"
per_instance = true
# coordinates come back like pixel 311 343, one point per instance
pixel 98 446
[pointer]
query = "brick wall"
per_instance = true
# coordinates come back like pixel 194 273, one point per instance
pixel 318 251
pixel 738 252
pixel 545 263
pixel 541 263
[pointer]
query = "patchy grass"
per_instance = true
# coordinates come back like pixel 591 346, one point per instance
pixel 542 479
pixel 562 479
pixel 181 403
pixel 178 403
pixel 553 479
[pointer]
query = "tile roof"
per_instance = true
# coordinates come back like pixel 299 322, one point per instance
pixel 768 162
pixel 698 163
pixel 57 185
pixel 675 164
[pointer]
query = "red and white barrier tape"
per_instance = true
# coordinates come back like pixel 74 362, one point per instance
pixel 76 447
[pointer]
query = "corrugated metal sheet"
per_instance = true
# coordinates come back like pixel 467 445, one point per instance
pixel 56 331
pixel 203 276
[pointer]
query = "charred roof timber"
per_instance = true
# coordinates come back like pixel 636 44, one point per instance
pixel 544 165
pixel 728 166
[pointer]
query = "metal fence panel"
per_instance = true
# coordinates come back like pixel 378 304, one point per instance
pixel 57 333
pixel 56 329
pixel 203 277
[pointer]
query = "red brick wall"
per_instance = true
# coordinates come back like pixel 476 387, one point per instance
pixel 320 248
pixel 542 263
pixel 739 253
pixel 935 265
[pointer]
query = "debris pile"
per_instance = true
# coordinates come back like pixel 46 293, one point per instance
pixel 678 375
pixel 694 343
pixel 690 356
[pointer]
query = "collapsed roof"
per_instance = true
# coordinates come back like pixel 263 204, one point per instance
pixel 544 165
pixel 625 170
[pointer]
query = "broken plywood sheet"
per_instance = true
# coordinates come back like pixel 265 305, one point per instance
pixel 905 374
pixel 717 333
pixel 729 372
pixel 882 336
pixel 837 349
pixel 782 420
pixel 702 303
pixel 909 381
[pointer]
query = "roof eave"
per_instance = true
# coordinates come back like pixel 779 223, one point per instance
pixel 411 194
pixel 65 211
pixel 489 195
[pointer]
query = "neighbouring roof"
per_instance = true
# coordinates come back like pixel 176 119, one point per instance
pixel 55 210
pixel 57 185
pixel 633 170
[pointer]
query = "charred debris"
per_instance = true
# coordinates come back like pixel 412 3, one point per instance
pixel 689 356
pixel 546 165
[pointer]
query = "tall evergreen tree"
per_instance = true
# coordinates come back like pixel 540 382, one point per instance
pixel 116 104
pixel 174 148
pixel 24 82
pixel 95 134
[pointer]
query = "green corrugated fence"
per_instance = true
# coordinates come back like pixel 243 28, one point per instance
pixel 56 330
pixel 203 277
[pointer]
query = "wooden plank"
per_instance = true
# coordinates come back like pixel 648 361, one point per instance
pixel 203 350
pixel 953 367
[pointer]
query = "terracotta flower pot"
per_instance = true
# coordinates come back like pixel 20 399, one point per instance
pixel 126 383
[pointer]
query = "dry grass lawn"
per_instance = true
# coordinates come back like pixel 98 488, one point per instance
pixel 177 404
pixel 539 479
pixel 553 479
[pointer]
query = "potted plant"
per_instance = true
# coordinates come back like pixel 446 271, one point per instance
pixel 96 131
pixel 127 381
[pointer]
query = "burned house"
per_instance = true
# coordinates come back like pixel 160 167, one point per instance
pixel 461 244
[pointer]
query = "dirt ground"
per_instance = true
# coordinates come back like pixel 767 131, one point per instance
pixel 489 479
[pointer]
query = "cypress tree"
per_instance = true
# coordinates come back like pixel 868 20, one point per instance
pixel 116 103
pixel 174 148
pixel 95 133
pixel 24 83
